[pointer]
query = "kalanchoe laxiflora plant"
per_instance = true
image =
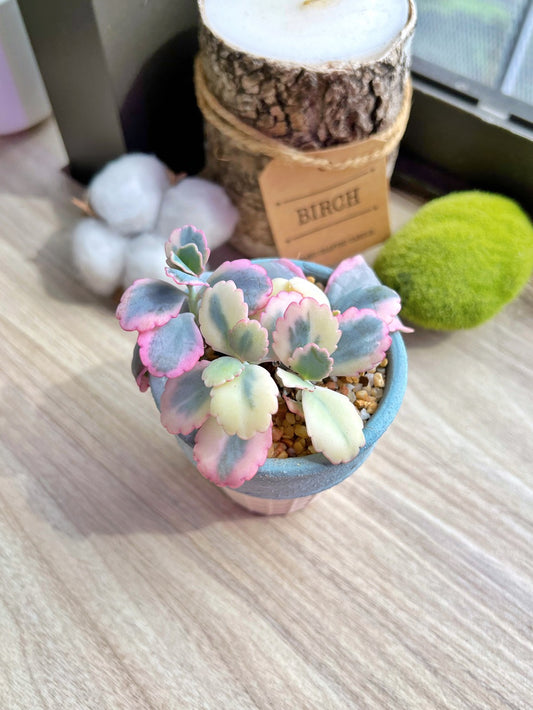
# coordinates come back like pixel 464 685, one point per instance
pixel 233 341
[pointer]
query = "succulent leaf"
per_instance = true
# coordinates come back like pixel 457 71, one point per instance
pixel 185 401
pixel 183 279
pixel 354 283
pixel 300 285
pixel 248 340
pixel 187 250
pixel 191 234
pixel 303 323
pixel 294 406
pixel 381 299
pixel 282 268
pixel 333 423
pixel 396 324
pixel 173 348
pixel 245 404
pixel 221 370
pixel 228 460
pixel 222 307
pixel 311 362
pixel 274 309
pixel 292 381
pixel 251 279
pixel 149 303
pixel 139 371
pixel 363 343
pixel 191 257
pixel 351 273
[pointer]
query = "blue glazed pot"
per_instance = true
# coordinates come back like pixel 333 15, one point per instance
pixel 282 485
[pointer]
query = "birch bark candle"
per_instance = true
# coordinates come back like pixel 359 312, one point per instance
pixel 306 75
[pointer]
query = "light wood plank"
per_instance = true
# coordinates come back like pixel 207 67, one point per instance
pixel 127 581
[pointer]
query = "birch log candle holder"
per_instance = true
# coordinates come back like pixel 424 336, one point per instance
pixel 320 86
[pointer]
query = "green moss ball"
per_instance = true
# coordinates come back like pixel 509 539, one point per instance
pixel 459 260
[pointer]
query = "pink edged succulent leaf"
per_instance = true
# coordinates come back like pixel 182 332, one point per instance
pixel 303 323
pixel 172 349
pixel 282 269
pixel 223 317
pixel 294 406
pixel 139 371
pixel 354 283
pixel 244 405
pixel 363 343
pixel 311 362
pixel 292 381
pixel 181 278
pixel 333 423
pixel 185 401
pixel 248 341
pixel 191 258
pixel 274 309
pixel 228 460
pixel 222 370
pixel 149 303
pixel 187 250
pixel 396 324
pixel 251 279
pixel 301 286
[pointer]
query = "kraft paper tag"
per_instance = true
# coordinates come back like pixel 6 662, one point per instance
pixel 327 215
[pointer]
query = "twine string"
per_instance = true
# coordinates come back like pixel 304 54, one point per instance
pixel 253 141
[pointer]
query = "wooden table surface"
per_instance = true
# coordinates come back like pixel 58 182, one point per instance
pixel 128 581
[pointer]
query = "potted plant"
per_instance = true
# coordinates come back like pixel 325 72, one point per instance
pixel 258 363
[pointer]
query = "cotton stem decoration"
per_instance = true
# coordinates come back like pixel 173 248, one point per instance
pixel 133 205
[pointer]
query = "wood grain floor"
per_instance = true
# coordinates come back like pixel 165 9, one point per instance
pixel 129 582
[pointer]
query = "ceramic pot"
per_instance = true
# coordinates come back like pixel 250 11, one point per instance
pixel 284 485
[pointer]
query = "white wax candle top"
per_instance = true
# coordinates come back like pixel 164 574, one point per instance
pixel 309 32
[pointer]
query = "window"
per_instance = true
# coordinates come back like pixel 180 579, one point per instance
pixel 473 109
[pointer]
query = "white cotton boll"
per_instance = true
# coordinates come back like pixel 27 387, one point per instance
pixel 98 253
pixel 201 203
pixel 127 192
pixel 145 259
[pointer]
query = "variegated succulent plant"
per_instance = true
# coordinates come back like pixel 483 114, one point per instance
pixel 232 342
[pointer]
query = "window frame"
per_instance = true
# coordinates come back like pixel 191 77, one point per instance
pixel 463 134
